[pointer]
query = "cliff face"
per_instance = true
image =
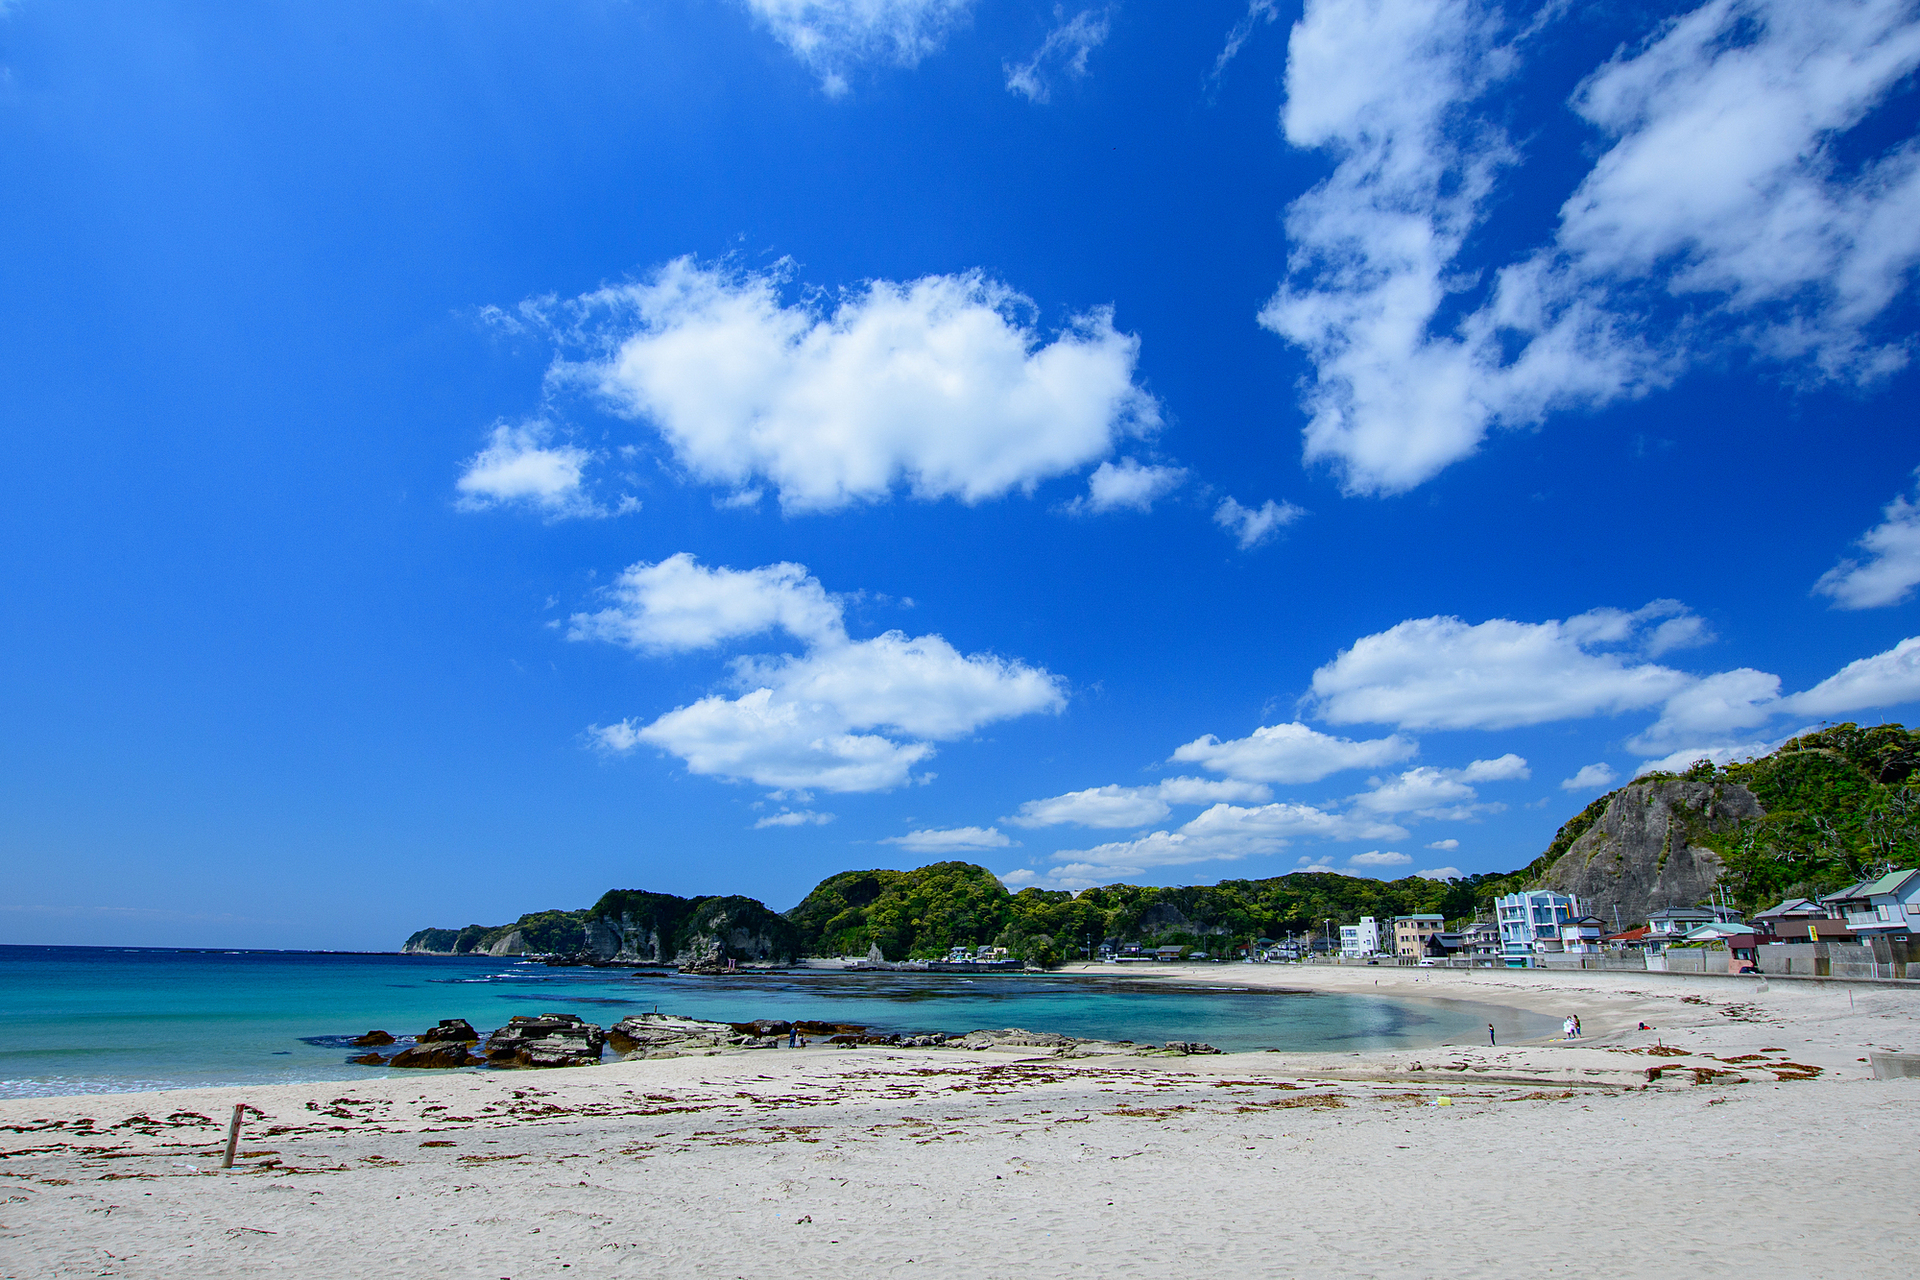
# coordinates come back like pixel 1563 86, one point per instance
pixel 630 926
pixel 1640 855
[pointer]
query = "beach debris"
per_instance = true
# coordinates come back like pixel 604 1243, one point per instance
pixel 372 1038
pixel 240 1110
pixel 549 1040
pixel 449 1029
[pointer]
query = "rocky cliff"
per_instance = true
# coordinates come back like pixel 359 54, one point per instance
pixel 630 926
pixel 1642 851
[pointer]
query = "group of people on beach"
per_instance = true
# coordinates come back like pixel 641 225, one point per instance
pixel 1571 1027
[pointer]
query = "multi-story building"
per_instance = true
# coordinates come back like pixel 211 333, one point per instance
pixel 1672 924
pixel 1886 907
pixel 1482 940
pixel 1583 935
pixel 1360 940
pixel 1410 933
pixel 1532 922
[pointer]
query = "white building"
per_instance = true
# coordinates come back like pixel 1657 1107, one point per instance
pixel 1359 940
pixel 1880 908
pixel 1532 922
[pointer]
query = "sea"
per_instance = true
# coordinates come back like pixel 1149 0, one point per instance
pixel 108 1020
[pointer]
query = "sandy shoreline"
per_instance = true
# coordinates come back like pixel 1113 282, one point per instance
pixel 1545 1156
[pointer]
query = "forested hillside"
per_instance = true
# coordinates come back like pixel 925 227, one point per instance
pixel 1833 806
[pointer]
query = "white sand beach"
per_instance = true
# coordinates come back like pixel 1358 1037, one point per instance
pixel 1762 1143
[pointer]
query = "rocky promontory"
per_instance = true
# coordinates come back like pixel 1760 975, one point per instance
pixel 1642 853
pixel 631 926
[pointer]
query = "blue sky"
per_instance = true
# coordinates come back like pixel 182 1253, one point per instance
pixel 462 457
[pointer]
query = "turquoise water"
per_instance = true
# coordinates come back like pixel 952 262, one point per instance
pixel 96 1020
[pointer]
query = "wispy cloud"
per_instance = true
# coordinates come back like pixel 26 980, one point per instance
pixel 833 36
pixel 1251 526
pixel 1064 51
pixel 1716 221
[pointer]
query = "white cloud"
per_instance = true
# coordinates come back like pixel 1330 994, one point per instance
pixel 1292 753
pixel 845 715
pixel 1440 873
pixel 1506 768
pixel 1719 195
pixel 1117 806
pixel 1376 858
pixel 1441 673
pixel 1725 172
pixel 1680 761
pixel 1440 793
pixel 1892 566
pixel 1109 806
pixel 1385 87
pixel 832 35
pixel 951 840
pixel 1065 49
pixel 1592 777
pixel 1016 879
pixel 1224 832
pixel 1687 631
pixel 1210 790
pixel 678 604
pixel 941 385
pixel 1128 486
pixel 523 465
pixel 1252 526
pixel 1445 846
pixel 1729 700
pixel 1884 680
pixel 794 818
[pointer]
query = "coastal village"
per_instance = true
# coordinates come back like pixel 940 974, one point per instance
pixel 1861 931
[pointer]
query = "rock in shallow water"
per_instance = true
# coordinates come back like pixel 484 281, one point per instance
pixel 450 1029
pixel 441 1054
pixel 372 1038
pixel 550 1040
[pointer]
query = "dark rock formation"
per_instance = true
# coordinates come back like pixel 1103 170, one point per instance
pixel 450 1029
pixel 368 1060
pixel 550 1040
pixel 372 1038
pixel 761 1027
pixel 440 1054
pixel 1190 1046
pixel 1641 854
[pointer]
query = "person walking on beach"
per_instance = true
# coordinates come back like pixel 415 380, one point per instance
pixel 1576 1025
pixel 1490 1039
pixel 793 1037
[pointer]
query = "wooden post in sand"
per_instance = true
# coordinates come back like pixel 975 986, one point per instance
pixel 233 1134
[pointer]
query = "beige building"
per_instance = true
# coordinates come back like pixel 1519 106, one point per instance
pixel 1410 933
